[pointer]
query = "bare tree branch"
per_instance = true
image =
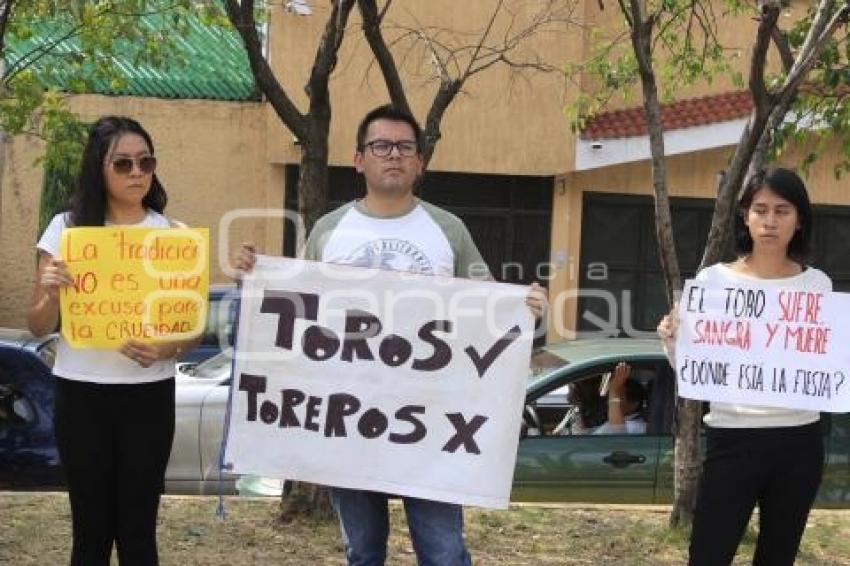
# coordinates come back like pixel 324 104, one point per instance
pixel 33 56
pixel 8 5
pixel 770 10
pixel 435 47
pixel 372 30
pixel 451 65
pixel 538 66
pixel 326 55
pixel 241 15
pixel 37 53
pixel 781 43
pixel 384 11
pixel 483 39
pixel 445 95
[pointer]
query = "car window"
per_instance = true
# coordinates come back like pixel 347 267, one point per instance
pixel 220 317
pixel 543 362
pixel 15 408
pixel 213 368
pixel 579 406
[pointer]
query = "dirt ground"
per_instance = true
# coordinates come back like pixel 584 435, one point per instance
pixel 35 530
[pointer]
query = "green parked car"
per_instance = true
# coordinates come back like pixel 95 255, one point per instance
pixel 560 459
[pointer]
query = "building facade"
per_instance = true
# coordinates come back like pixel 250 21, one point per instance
pixel 543 202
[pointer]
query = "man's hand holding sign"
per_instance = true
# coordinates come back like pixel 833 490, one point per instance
pixel 761 345
pixel 412 386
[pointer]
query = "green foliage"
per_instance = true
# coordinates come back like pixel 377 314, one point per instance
pixel 820 115
pixel 685 51
pixel 213 14
pixel 53 48
pixel 61 161
pixel 616 72
pixel 69 45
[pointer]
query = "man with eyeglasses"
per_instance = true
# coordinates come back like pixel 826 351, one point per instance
pixel 391 228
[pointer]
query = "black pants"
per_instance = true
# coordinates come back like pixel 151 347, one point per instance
pixel 778 468
pixel 114 442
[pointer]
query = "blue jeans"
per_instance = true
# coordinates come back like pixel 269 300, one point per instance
pixel 436 528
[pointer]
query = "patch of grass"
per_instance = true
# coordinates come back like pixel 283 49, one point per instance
pixel 35 530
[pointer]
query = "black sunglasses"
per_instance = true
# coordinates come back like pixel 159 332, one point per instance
pixel 124 165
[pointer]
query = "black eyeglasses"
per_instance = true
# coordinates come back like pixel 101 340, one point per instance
pixel 124 165
pixel 383 148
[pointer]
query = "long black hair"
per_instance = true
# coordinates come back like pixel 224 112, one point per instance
pixel 87 205
pixel 787 185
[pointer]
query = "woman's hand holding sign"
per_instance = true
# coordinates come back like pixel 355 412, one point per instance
pixel 146 354
pixel 54 276
pixel 44 312
pixel 668 326
pixel 143 354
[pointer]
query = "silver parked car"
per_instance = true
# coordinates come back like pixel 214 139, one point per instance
pixel 201 399
pixel 28 455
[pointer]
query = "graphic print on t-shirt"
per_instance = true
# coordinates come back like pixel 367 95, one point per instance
pixel 412 243
pixel 392 253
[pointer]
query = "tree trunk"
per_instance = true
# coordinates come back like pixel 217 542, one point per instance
pixel 686 449
pixel 3 139
pixel 313 182
pixel 4 6
pixel 444 97
pixel 688 461
pixel 301 499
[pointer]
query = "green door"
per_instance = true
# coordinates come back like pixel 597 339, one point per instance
pixel 587 468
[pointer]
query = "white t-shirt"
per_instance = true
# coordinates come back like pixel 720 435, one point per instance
pixel 426 240
pixel 731 415
pixel 95 365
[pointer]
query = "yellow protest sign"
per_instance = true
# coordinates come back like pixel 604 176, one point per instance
pixel 147 284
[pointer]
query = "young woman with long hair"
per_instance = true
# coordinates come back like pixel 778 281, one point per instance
pixel 768 456
pixel 114 409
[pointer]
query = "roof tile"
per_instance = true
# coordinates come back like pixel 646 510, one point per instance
pixel 630 122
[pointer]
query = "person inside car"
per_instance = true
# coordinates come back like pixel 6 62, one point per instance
pixel 625 405
pixel 626 399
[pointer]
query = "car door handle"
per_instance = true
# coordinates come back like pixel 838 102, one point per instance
pixel 620 459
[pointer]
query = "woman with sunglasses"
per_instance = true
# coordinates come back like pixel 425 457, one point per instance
pixel 768 456
pixel 114 410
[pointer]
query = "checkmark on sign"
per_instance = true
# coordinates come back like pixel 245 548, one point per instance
pixel 483 363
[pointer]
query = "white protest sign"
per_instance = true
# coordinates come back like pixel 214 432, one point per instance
pixel 379 380
pixel 762 345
